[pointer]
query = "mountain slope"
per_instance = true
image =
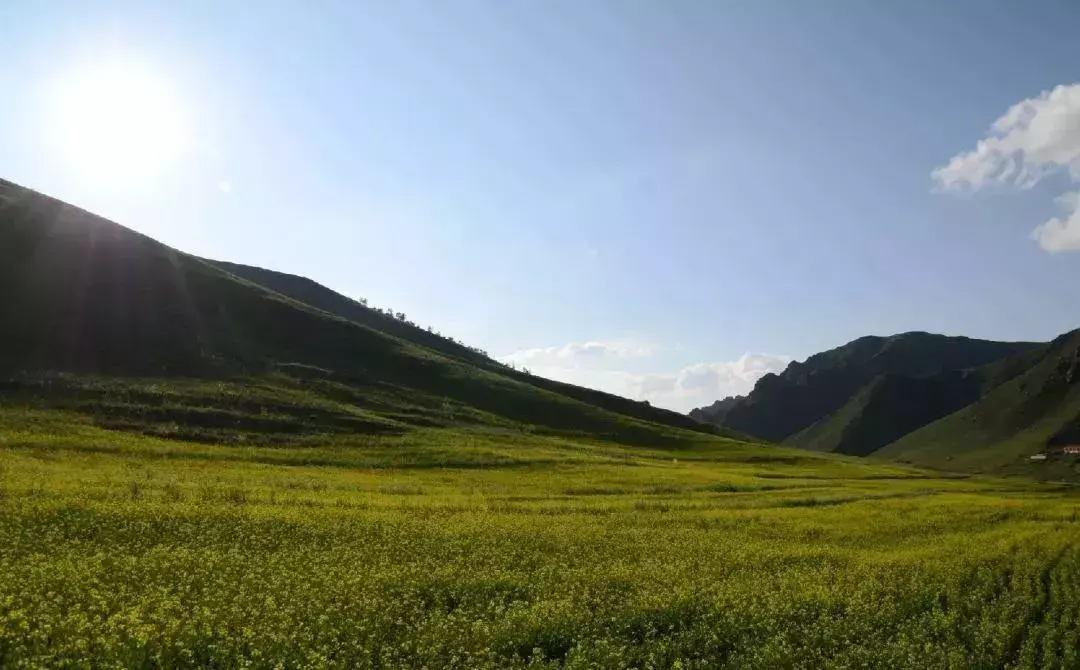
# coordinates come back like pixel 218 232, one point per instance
pixel 312 293
pixel 804 394
pixel 85 295
pixel 1024 414
pixel 316 295
pixel 887 408
pixel 892 406
pixel 716 412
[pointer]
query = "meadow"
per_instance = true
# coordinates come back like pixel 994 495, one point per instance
pixel 492 547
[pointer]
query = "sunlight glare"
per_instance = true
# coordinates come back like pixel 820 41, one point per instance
pixel 117 124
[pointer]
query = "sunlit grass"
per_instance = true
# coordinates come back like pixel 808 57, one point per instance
pixel 124 550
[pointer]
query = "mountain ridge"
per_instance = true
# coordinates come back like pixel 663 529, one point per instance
pixel 85 295
pixel 1034 410
pixel 326 299
pixel 883 396
pixel 716 412
pixel 781 405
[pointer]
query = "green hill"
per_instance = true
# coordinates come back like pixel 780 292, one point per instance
pixel 1024 414
pixel 96 315
pixel 314 294
pixel 892 405
pixel 215 468
pixel 85 296
pixel 805 394
pixel 887 408
pixel 929 400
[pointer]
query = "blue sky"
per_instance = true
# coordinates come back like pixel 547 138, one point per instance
pixel 663 199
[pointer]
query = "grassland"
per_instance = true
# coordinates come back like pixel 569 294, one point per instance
pixel 497 547
pixel 199 470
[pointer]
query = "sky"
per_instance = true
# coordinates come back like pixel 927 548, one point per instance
pixel 660 199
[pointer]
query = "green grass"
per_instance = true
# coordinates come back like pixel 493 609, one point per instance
pixel 496 547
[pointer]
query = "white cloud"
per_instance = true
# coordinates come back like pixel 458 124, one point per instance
pixel 1037 137
pixel 702 383
pixel 1057 235
pixel 599 365
pixel 579 354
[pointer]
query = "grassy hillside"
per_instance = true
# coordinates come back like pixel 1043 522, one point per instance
pixel 886 409
pixel 311 293
pixel 316 295
pixel 930 400
pixel 892 406
pixel 1024 415
pixel 488 548
pixel 84 295
pixel 804 394
pixel 203 468
pixel 198 469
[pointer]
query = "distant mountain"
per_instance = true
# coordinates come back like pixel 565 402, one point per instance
pixel 892 405
pixel 1018 415
pixel 716 412
pixel 782 405
pixel 926 399
pixel 85 296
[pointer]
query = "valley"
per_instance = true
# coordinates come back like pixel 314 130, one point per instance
pixel 210 465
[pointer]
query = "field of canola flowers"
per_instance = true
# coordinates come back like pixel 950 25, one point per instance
pixel 124 551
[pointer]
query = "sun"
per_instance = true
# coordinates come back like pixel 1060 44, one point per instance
pixel 117 124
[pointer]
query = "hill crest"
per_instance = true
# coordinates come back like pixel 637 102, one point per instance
pixel 85 295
